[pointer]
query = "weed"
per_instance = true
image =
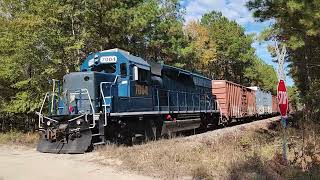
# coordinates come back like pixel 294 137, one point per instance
pixel 19 138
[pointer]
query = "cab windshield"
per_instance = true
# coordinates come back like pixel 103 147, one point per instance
pixel 107 68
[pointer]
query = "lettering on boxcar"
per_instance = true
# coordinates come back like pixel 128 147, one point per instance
pixel 141 90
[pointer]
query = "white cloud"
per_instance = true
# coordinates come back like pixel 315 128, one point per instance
pixel 234 9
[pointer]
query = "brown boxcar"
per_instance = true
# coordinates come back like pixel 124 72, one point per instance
pixel 235 101
pixel 275 109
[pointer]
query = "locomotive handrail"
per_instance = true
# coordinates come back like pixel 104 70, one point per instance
pixel 218 105
pixel 44 99
pixel 93 111
pixel 41 119
pixel 40 112
pixel 86 92
pixel 104 101
pixel 49 118
pixel 76 117
pixel 201 97
pixel 66 92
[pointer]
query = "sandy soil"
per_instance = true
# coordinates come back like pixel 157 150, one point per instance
pixel 20 163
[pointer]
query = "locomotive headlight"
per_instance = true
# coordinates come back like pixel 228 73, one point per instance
pixel 48 123
pixel 96 59
pixel 78 122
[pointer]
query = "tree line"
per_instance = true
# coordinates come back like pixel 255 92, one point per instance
pixel 297 26
pixel 45 39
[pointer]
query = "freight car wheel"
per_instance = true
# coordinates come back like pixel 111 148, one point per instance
pixel 224 122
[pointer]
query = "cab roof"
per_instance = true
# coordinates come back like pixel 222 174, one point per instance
pixel 128 56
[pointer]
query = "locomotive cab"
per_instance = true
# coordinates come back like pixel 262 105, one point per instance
pixel 131 79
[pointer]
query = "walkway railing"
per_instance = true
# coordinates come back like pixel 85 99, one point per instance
pixel 181 101
pixel 78 94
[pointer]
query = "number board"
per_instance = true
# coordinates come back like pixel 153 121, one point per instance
pixel 141 90
pixel 108 59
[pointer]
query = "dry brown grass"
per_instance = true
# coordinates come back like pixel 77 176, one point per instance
pixel 19 138
pixel 197 159
pixel 247 154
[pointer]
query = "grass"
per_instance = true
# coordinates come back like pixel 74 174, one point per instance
pixel 19 138
pixel 199 159
pixel 248 155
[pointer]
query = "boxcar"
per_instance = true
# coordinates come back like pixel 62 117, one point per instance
pixel 236 101
pixel 263 102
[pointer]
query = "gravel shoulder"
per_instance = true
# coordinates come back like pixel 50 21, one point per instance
pixel 21 163
pixel 236 129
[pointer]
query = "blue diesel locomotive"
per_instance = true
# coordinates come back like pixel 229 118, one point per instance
pixel 121 98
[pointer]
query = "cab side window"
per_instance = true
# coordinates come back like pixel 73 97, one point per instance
pixel 143 75
pixel 123 69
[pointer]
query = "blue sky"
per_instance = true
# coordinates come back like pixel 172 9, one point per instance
pixel 234 10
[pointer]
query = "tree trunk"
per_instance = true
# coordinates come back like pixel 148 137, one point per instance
pixel 2 125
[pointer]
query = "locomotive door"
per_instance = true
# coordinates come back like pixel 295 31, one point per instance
pixel 123 81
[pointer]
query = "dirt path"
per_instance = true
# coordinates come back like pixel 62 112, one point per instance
pixel 19 163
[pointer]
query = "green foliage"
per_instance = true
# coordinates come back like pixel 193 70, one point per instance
pixel 293 96
pixel 262 75
pixel 312 100
pixel 201 51
pixel 234 49
pixel 297 25
pixel 42 40
pixel 220 48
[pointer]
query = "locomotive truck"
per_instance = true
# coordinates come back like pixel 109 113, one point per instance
pixel 122 98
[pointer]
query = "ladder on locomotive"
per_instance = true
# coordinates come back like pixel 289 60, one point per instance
pixel 106 105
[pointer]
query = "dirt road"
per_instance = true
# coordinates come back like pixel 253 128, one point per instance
pixel 19 163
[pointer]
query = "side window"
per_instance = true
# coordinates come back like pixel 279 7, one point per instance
pixel 143 75
pixel 123 69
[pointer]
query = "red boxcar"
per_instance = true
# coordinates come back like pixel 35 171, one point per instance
pixel 235 101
